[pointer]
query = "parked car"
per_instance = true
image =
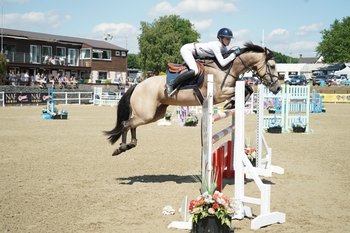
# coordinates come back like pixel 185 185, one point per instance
pixel 287 79
pixel 341 80
pixel 298 80
pixel 316 73
pixel 317 80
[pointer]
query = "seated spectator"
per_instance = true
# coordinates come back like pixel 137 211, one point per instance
pixel 65 81
pixel 52 80
pixel 46 60
pixel 12 78
pixel 73 81
pixel 25 78
pixel 41 80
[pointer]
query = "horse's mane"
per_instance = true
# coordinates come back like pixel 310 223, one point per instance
pixel 250 47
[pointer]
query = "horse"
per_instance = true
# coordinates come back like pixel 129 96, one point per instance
pixel 147 101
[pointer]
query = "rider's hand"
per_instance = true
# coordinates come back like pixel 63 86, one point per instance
pixel 232 56
pixel 237 51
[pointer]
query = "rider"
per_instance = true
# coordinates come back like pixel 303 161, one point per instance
pixel 210 49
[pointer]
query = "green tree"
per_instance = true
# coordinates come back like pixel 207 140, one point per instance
pixel 335 44
pixel 133 61
pixel 160 42
pixel 281 58
pixel 3 65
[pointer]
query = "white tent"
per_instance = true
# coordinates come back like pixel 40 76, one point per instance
pixel 345 72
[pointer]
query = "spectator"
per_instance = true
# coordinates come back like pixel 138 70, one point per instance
pixel 65 81
pixel 41 80
pixel 18 78
pixel 25 78
pixel 73 81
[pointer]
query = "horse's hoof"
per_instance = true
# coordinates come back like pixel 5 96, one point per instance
pixel 132 144
pixel 230 105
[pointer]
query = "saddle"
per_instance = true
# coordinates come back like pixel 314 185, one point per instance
pixel 181 68
pixel 175 70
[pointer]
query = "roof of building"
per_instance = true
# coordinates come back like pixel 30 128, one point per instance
pixel 59 39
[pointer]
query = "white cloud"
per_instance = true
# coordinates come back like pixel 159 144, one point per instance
pixel 118 30
pixel 305 30
pixel 306 48
pixel 190 7
pixel 49 19
pixel 278 35
pixel 202 25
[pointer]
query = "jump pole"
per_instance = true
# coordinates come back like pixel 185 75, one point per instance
pixel 240 162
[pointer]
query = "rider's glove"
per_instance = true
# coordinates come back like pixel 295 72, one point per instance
pixel 237 51
pixel 232 56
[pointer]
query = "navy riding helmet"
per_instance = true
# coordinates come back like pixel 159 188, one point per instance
pixel 226 32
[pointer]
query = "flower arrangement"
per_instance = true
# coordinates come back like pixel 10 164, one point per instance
pixel 191 119
pixel 168 115
pixel 211 205
pixel 274 123
pixel 250 152
pixel 299 123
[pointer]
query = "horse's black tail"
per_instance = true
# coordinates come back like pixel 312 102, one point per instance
pixel 123 114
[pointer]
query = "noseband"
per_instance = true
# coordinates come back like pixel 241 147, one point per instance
pixel 267 72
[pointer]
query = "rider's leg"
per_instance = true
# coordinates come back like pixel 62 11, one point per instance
pixel 187 55
pixel 179 79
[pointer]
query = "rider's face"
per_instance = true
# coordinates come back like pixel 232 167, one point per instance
pixel 226 41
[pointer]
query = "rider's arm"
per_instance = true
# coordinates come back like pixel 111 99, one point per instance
pixel 223 61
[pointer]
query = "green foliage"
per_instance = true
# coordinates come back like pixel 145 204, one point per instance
pixel 335 44
pixel 160 42
pixel 133 61
pixel 3 65
pixel 280 58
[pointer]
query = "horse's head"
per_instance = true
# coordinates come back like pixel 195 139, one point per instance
pixel 262 61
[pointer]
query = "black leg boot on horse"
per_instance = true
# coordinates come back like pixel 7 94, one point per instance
pixel 171 86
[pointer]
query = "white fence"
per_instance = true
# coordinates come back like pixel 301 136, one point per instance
pixel 61 98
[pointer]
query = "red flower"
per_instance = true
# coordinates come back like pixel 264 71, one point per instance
pixel 216 206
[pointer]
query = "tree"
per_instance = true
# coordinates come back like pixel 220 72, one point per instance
pixel 281 58
pixel 160 42
pixel 3 65
pixel 133 61
pixel 335 44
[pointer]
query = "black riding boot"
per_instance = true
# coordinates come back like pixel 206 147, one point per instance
pixel 169 87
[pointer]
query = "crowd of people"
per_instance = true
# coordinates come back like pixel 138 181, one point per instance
pixel 23 79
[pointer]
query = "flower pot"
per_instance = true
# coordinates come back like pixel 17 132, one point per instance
pixel 210 224
pixel 168 118
pixel 190 124
pixel 299 130
pixel 64 116
pixel 276 129
pixel 272 111
pixel 57 116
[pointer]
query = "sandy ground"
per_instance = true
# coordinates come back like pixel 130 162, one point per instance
pixel 59 175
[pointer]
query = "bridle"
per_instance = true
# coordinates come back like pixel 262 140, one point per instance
pixel 261 78
pixel 267 71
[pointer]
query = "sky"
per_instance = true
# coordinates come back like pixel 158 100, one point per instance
pixel 290 27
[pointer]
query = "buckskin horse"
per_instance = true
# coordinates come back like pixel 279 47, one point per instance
pixel 147 101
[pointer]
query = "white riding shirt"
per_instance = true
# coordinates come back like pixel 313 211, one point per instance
pixel 210 49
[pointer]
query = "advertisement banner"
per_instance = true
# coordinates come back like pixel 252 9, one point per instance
pixel 26 98
pixel 335 98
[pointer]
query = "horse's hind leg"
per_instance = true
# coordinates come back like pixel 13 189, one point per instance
pixel 123 146
pixel 133 142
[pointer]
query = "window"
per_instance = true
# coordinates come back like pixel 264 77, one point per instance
pixel 9 49
pixel 47 51
pixel 71 57
pixel 60 52
pixel 102 75
pixel 117 53
pixel 85 53
pixel 34 54
pixel 123 54
pixel 99 54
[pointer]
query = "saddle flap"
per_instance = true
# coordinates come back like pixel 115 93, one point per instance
pixel 180 68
